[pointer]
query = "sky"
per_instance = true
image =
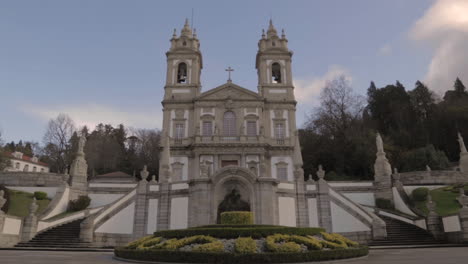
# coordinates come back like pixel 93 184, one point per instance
pixel 104 60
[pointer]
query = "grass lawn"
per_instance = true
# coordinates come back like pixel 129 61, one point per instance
pixel 445 199
pixel 19 203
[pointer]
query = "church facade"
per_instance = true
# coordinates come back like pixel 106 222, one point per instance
pixel 233 140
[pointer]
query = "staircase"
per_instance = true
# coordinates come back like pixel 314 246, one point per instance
pixel 401 233
pixel 63 236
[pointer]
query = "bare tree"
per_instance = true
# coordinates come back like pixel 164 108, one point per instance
pixel 56 141
pixel 339 108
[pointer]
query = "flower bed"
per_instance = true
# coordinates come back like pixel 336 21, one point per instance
pixel 270 244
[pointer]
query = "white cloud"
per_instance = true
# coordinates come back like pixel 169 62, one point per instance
pixel 445 27
pixel 385 50
pixel 93 114
pixel 307 90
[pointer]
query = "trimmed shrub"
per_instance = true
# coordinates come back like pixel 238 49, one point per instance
pixel 216 246
pixel 284 243
pixel 383 203
pixel 245 245
pixel 79 204
pixel 237 218
pixel 334 240
pixel 174 244
pixel 136 243
pixel 420 194
pixel 149 243
pixel 229 258
pixel 40 195
pixel 235 232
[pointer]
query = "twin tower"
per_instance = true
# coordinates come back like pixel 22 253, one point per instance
pixel 185 62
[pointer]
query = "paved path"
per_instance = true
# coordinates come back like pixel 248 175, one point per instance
pixel 391 256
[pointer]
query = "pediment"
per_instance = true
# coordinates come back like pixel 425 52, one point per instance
pixel 229 91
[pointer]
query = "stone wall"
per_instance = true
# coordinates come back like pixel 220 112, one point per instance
pixel 433 177
pixel 32 179
pixel 111 240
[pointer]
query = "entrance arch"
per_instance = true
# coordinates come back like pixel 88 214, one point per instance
pixel 233 178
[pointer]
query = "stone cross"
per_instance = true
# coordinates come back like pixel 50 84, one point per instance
pixel 229 70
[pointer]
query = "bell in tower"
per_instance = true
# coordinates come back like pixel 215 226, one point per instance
pixel 184 64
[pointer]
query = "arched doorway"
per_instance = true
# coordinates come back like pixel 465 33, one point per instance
pixel 233 191
pixel 232 202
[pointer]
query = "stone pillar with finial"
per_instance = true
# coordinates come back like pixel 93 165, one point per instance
pixel 323 201
pixel 141 205
pixel 463 214
pixel 382 173
pixel 433 220
pixel 301 202
pixel 463 164
pixel 29 229
pixel 79 172
pixel 164 184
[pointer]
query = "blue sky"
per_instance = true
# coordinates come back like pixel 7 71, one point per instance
pixel 104 60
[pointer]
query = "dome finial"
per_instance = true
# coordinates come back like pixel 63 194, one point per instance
pixel 283 36
pixel 186 31
pixel 174 34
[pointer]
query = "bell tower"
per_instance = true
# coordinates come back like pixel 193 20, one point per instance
pixel 184 64
pixel 273 64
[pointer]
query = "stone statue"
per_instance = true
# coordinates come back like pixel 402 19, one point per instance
pixel 320 172
pixel 262 131
pixel 216 130
pixel 203 169
pixel 463 199
pixel 81 144
pixel 33 207
pixel 462 143
pixel 379 143
pixel 428 169
pixel 144 173
pixel 2 200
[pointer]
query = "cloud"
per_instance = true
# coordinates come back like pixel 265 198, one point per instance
pixel 444 27
pixel 385 50
pixel 307 90
pixel 93 114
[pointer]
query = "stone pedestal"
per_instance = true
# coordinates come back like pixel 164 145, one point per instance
pixel 87 229
pixel 29 229
pixel 2 220
pixel 433 221
pixel 323 201
pixel 379 229
pixel 382 178
pixel 301 203
pixel 164 208
pixel 141 208
pixel 79 176
pixel 200 202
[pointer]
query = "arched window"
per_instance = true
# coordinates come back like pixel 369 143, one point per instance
pixel 229 124
pixel 276 73
pixel 182 73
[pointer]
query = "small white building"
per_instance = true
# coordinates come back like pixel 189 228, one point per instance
pixel 21 162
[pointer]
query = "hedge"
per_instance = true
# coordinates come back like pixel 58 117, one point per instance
pixel 235 232
pixel 237 218
pixel 229 258
pixel 420 194
pixel 40 195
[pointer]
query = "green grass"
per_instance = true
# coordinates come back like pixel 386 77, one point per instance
pixel 19 203
pixel 445 199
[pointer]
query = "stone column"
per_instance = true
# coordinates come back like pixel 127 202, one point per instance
pixel 463 214
pixel 382 173
pixel 323 201
pixel 141 206
pixel 301 203
pixel 29 229
pixel 200 201
pixel 266 211
pixel 78 172
pixel 87 228
pixel 433 220
pixel 164 208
